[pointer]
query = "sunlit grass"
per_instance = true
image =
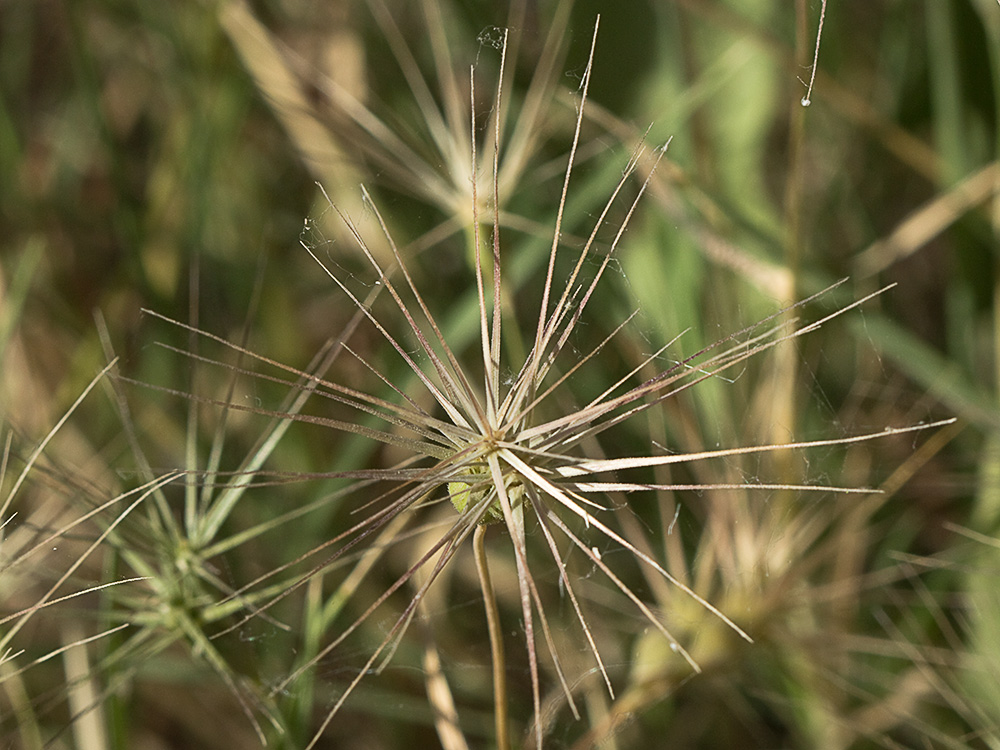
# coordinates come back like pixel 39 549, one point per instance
pixel 184 145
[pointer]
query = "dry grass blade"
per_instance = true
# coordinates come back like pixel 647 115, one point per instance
pixel 40 448
pixel 929 221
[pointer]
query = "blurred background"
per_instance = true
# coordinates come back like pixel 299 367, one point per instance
pixel 167 156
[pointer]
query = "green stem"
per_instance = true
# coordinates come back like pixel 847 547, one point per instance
pixel 496 640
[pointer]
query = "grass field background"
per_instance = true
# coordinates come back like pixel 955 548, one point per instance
pixel 168 157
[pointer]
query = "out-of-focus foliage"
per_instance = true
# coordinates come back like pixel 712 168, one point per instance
pixel 166 155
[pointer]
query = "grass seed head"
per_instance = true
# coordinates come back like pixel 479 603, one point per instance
pixel 520 451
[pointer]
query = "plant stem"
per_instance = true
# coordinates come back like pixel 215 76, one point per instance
pixel 496 639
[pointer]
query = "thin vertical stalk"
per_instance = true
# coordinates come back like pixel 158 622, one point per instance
pixel 496 639
pixel 784 407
